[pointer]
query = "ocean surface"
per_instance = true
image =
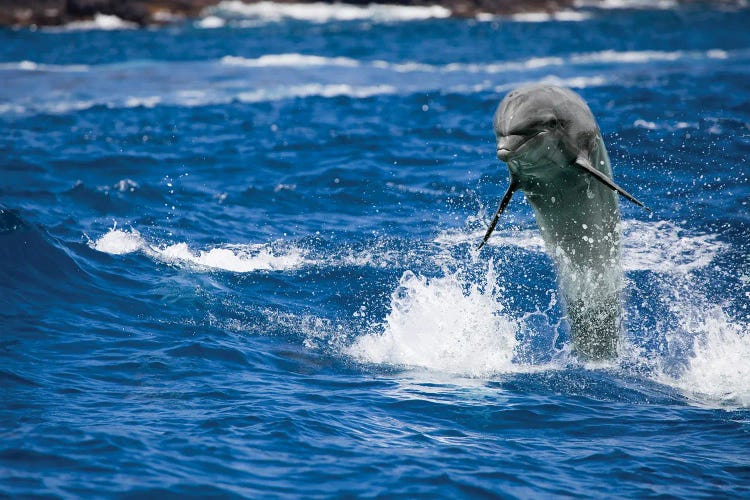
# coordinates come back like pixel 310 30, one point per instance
pixel 238 258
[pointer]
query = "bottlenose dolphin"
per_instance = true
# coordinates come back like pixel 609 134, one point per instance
pixel 555 154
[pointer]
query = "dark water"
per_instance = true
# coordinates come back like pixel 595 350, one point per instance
pixel 241 261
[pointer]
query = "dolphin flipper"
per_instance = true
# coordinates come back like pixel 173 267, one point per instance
pixel 503 203
pixel 584 164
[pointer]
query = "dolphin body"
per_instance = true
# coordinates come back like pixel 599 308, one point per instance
pixel 554 150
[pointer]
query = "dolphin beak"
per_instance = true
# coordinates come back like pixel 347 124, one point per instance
pixel 584 164
pixel 508 145
pixel 503 154
pixel 503 203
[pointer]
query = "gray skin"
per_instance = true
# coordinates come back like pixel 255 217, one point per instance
pixel 555 154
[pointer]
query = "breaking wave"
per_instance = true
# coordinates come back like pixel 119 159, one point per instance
pixel 320 12
pixel 235 258
pixel 104 22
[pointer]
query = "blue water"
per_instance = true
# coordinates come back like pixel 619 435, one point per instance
pixel 241 261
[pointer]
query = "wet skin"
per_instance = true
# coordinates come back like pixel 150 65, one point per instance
pixel 555 154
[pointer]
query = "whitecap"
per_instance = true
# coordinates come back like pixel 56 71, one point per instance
pixel 34 66
pixel 100 21
pixel 145 102
pixel 630 56
pixel 627 4
pixel 543 17
pixel 314 89
pixel 210 22
pixel 289 60
pixel 235 258
pixel 119 242
pixel 324 12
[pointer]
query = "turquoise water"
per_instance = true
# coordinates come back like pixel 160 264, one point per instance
pixel 241 261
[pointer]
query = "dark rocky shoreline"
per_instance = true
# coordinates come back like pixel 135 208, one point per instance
pixel 149 12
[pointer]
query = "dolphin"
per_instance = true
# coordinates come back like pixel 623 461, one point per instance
pixel 555 154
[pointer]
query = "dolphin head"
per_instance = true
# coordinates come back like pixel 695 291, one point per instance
pixel 541 131
pixel 542 121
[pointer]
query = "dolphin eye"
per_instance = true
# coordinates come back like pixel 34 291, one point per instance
pixel 536 127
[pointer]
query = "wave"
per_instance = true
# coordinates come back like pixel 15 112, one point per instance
pixel 463 321
pixel 31 261
pixel 104 22
pixel 210 22
pixel 659 247
pixel 295 60
pixel 461 325
pixel 325 12
pixel 195 98
pixel 289 60
pixel 627 4
pixel 544 17
pixel 234 258
pixel 453 325
pixel 315 89
pixel 33 66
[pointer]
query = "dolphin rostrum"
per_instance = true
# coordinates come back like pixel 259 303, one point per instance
pixel 555 154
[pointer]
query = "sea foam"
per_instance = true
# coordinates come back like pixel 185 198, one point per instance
pixel 100 21
pixel 235 258
pixel 323 12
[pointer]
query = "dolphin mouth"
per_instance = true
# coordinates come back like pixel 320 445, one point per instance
pixel 505 153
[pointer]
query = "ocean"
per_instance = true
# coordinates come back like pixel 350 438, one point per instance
pixel 238 258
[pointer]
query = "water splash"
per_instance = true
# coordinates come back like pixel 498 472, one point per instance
pixel 444 324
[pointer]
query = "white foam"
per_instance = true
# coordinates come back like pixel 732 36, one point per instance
pixel 211 22
pixel 630 56
pixel 119 242
pixel 289 60
pixel 235 258
pixel 660 247
pixel 11 108
pixel 63 107
pixel 717 54
pixel 295 60
pixel 324 12
pixel 718 370
pixel 99 22
pixel 664 247
pixel 315 89
pixel 577 82
pixel 627 4
pixel 544 17
pixel 645 124
pixel 443 324
pixel 146 102
pixel 664 125
pixel 34 66
pixel 194 98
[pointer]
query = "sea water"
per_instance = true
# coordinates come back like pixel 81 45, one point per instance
pixel 238 258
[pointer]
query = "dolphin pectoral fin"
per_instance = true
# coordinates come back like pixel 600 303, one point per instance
pixel 503 203
pixel 584 164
